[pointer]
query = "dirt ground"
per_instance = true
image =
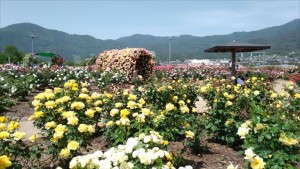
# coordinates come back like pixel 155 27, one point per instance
pixel 213 156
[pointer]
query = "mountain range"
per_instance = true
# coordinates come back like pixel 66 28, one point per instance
pixel 283 39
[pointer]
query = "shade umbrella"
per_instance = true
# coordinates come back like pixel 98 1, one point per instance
pixel 235 47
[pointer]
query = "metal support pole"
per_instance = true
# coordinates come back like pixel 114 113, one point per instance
pixel 233 72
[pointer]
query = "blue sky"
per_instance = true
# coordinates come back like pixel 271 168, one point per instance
pixel 113 19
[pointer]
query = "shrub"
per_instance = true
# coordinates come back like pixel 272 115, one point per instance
pixel 68 116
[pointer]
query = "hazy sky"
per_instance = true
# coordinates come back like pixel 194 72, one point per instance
pixel 111 19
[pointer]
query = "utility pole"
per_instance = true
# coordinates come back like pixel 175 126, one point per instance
pixel 32 39
pixel 170 38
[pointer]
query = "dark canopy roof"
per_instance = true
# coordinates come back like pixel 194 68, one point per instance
pixel 237 47
pixel 46 54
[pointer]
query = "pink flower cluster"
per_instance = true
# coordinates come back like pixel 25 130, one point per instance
pixel 130 61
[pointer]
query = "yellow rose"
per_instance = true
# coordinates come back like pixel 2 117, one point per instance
pixel 3 119
pixel 90 113
pixel 60 127
pixel 297 96
pixel 274 95
pixel 67 114
pixel 66 99
pixel 4 162
pixel 91 128
pixel 160 89
pixel 83 128
pixel 259 126
pixel 77 105
pixel 50 104
pixel 118 105
pixel 132 97
pixel 84 84
pixel 170 107
pixel 83 96
pixel 108 95
pixel 203 89
pixel 84 90
pixel 257 163
pixel 142 101
pixel 228 103
pixel 4 135
pixel 124 113
pixel 181 102
pixel 98 103
pixel 68 85
pixel 57 90
pixel 175 98
pixel 19 135
pixel 40 96
pixel 50 125
pixel 184 109
pixel 189 134
pixel 33 138
pixel 64 153
pixel 95 95
pixel 2 126
pixel 73 120
pixel 98 109
pixel 287 141
pixel 49 95
pixel 228 122
pixel 125 92
pixel 194 110
pixel 131 104
pixel 230 97
pixel 13 125
pixel 58 134
pixel 36 103
pixel 113 112
pixel 73 145
pixel 124 121
pixel 110 123
pixel 38 114
pixel 146 111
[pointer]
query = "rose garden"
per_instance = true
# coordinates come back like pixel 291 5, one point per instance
pixel 141 112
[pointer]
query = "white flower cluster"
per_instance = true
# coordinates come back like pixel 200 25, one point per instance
pixel 244 129
pixel 139 151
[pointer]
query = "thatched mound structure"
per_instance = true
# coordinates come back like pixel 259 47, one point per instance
pixel 130 61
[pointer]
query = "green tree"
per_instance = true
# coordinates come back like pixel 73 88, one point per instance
pixel 11 52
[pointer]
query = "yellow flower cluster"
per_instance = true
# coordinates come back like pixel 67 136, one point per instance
pixel 189 134
pixel 65 112
pixel 5 162
pixel 71 85
pixel 287 140
pixel 130 108
pixel 8 129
